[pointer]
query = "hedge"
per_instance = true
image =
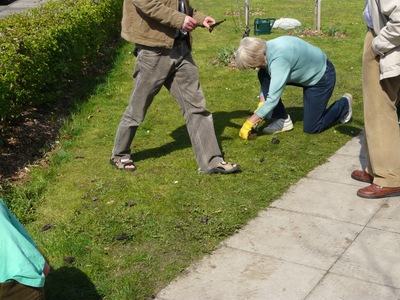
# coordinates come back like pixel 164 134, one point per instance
pixel 48 46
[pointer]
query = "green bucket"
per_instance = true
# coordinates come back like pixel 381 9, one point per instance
pixel 263 26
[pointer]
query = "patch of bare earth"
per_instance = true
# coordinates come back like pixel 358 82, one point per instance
pixel 26 140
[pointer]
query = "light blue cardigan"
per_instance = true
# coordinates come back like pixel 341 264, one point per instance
pixel 290 60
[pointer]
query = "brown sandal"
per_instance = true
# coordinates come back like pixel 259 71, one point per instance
pixel 224 168
pixel 122 164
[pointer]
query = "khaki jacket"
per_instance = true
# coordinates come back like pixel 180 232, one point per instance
pixel 385 16
pixel 154 23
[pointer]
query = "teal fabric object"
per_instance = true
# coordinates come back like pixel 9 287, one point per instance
pixel 20 260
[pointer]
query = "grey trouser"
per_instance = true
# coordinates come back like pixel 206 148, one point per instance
pixel 175 69
pixel 382 133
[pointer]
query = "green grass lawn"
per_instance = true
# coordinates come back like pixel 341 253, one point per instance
pixel 169 215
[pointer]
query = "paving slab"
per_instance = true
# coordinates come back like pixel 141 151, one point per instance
pixel 337 201
pixel 346 288
pixel 295 237
pixel 233 274
pixel 18 6
pixel 338 169
pixel 354 147
pixel 388 217
pixel 373 257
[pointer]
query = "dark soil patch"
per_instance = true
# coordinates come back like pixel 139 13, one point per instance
pixel 26 140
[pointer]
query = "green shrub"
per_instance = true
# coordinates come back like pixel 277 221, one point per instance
pixel 46 47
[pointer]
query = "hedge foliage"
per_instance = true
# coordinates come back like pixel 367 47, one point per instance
pixel 45 47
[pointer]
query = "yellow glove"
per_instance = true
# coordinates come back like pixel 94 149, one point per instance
pixel 246 130
pixel 259 105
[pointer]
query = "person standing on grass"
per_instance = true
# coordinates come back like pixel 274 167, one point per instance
pixel 22 268
pixel 161 31
pixel 381 94
pixel 285 61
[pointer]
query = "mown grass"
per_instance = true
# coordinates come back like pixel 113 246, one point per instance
pixel 130 234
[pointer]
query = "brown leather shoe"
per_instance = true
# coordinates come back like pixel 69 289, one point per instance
pixel 361 175
pixel 374 191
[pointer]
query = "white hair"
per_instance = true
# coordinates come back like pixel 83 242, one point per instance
pixel 251 53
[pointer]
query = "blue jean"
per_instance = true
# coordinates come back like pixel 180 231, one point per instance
pixel 317 117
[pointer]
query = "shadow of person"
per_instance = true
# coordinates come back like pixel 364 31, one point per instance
pixel 222 120
pixel 362 156
pixel 68 283
pixel 180 135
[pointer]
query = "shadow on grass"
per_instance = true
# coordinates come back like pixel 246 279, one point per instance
pixel 25 138
pixel 181 136
pixel 223 120
pixel 69 283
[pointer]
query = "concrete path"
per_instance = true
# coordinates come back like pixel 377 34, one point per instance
pixel 18 7
pixel 319 241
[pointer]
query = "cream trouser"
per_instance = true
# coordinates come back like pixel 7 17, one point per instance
pixel 382 133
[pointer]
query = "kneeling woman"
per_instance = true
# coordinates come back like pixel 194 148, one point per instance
pixel 285 61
